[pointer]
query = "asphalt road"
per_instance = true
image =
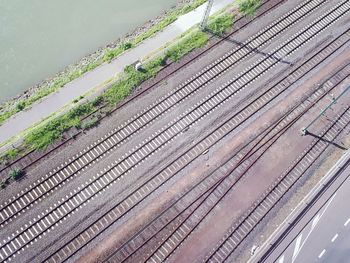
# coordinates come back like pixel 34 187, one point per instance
pixel 326 236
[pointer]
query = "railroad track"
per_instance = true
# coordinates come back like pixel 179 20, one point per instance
pixel 136 197
pixel 176 227
pixel 34 230
pixel 105 145
pixel 26 157
pixel 276 191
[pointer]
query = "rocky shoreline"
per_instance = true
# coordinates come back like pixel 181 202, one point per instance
pixel 88 59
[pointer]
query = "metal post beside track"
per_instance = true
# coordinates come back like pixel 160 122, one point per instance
pixel 304 131
pixel 204 21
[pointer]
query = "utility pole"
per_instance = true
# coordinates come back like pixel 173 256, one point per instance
pixel 204 21
pixel 304 131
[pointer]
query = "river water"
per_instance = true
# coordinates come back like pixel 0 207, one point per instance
pixel 38 38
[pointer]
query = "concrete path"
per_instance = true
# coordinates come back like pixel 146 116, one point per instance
pixel 54 102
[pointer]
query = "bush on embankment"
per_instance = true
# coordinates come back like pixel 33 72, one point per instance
pixel 248 7
pixel 46 134
pixel 219 24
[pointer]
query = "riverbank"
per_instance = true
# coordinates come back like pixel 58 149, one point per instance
pixel 104 54
pixel 47 132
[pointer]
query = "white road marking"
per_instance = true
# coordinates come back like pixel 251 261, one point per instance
pixel 297 246
pixel 315 221
pixel 281 259
pixel 313 225
pixel 321 254
pixel 334 238
pixel 347 222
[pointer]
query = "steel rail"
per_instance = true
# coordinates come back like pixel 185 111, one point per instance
pixel 62 174
pixel 216 183
pixel 128 100
pixel 172 244
pixel 106 213
pixel 278 189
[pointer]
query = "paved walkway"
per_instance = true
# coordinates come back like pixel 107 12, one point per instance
pixel 56 101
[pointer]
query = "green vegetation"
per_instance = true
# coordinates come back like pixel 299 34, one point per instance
pixel 171 17
pixel 90 123
pixel 16 173
pixel 97 101
pixel 57 83
pixel 188 43
pixel 44 135
pixel 6 182
pixel 219 24
pixel 112 53
pixel 130 80
pixel 12 110
pixel 7 114
pixel 77 100
pixel 20 105
pixel 11 154
pixel 249 7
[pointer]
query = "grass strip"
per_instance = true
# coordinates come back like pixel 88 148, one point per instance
pixel 41 137
pixel 220 23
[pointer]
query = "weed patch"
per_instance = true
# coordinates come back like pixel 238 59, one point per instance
pixel 90 124
pixel 221 23
pixel 16 173
pixel 44 135
pixel 248 7
pixel 188 43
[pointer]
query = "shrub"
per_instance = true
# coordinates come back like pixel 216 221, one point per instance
pixel 126 45
pixel 220 24
pixel 91 123
pixel 16 173
pixel 97 101
pixel 186 45
pixel 11 154
pixel 43 136
pixel 20 105
pixel 112 53
pixel 80 111
pixel 248 7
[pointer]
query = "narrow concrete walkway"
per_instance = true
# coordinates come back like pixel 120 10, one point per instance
pixel 56 101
